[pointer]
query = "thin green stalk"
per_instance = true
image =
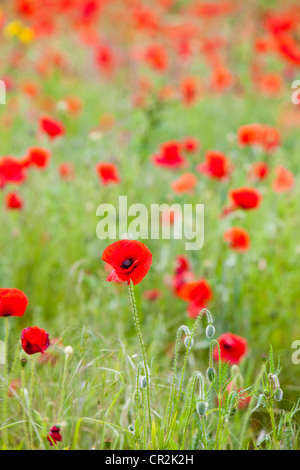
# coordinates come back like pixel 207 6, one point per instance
pixel 142 345
pixel 271 413
pixel 63 385
pixel 6 384
pixel 30 402
pixel 181 329
pixel 24 409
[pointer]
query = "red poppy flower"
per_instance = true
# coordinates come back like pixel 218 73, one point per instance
pixel 246 198
pixel 189 89
pixel 170 156
pixel 267 137
pixel 54 436
pixel 13 202
pixel 217 165
pixel 156 57
pixel 258 171
pixel 237 238
pixel 190 144
pixel 182 264
pixel 39 157
pixel 221 79
pixel 51 127
pixel 66 171
pixel 13 303
pixel 284 180
pixel 185 183
pixel 130 259
pixel 243 198
pixel 108 173
pixel 233 348
pixel 11 171
pixel 105 58
pixel 197 293
pixel 34 340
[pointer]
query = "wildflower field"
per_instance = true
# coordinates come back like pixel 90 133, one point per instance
pixel 116 332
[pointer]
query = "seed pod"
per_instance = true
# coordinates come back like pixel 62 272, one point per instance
pixel 131 428
pixel 210 331
pixel 202 407
pixel 210 374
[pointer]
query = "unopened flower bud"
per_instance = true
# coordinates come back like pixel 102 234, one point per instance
pixel 202 407
pixel 188 342
pixel 131 428
pixel 210 374
pixel 143 381
pixel 210 331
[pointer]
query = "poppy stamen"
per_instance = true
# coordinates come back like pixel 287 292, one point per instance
pixel 127 263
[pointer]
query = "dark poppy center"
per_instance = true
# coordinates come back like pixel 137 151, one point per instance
pixel 226 346
pixel 127 263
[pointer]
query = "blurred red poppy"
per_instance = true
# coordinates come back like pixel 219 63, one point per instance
pixel 51 127
pixel 245 198
pixel 13 202
pixel 66 171
pixel 108 173
pixel 197 293
pixel 284 180
pixel 216 166
pixel 233 348
pixel 258 171
pixel 39 157
pixel 237 238
pixel 11 171
pixel 13 303
pixel 130 259
pixel 170 156
pixel 185 183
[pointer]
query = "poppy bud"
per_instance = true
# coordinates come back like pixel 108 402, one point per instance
pixel 210 374
pixel 131 428
pixel 23 362
pixel 202 407
pixel 278 394
pixel 210 331
pixel 143 381
pixel 188 342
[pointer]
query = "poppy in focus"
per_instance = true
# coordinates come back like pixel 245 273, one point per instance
pixel 34 340
pixel 130 259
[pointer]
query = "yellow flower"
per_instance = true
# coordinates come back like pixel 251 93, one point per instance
pixel 13 29
pixel 26 35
